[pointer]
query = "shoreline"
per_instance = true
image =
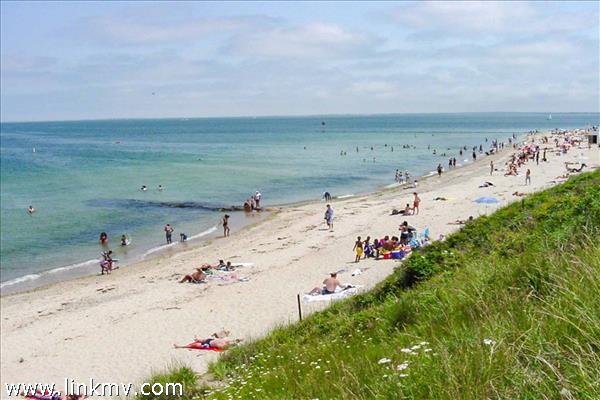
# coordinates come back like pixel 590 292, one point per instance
pixel 133 317
pixel 168 250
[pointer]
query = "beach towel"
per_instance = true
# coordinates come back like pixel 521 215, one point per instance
pixel 227 277
pixel 199 346
pixel 338 295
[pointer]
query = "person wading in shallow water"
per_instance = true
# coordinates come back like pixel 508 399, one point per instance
pixel 168 232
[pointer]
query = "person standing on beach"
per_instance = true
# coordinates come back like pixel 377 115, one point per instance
pixel 439 169
pixel 528 177
pixel 226 225
pixel 329 217
pixel 491 168
pixel 416 202
pixel 168 232
pixel 537 157
pixel 358 246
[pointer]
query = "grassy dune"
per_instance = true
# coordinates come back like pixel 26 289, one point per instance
pixel 508 307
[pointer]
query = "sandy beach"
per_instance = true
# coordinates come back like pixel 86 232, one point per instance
pixel 120 328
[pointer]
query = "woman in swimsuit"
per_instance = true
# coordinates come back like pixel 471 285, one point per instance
pixel 226 225
pixel 210 343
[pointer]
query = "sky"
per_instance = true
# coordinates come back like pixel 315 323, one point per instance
pixel 105 60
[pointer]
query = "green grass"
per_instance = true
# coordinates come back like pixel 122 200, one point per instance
pixel 506 308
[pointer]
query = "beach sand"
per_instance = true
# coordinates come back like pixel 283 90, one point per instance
pixel 121 328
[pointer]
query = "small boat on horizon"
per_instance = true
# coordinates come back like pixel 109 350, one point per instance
pixel 549 117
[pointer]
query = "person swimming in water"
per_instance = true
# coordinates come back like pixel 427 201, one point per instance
pixel 144 188
pixel 124 240
pixel 31 210
pixel 103 238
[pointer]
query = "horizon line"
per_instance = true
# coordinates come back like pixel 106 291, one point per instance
pixel 291 116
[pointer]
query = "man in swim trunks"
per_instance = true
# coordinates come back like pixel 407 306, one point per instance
pixel 329 285
pixel 168 232
pixel 416 202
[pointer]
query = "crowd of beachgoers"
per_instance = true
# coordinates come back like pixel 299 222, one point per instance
pixel 366 224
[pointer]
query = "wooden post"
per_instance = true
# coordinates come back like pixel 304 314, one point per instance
pixel 299 306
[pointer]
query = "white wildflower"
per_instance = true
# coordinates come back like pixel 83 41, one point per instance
pixel 402 366
pixel 384 361
pixel 402 375
pixel 406 350
pixel 489 342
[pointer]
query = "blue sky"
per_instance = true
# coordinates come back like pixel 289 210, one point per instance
pixel 92 60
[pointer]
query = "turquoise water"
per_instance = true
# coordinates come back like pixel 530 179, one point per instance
pixel 85 176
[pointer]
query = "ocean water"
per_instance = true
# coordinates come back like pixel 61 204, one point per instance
pixel 84 177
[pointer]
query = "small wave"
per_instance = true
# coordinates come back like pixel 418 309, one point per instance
pixel 159 248
pixel 21 279
pixel 74 266
pixel 344 196
pixel 392 185
pixel 32 277
pixel 201 234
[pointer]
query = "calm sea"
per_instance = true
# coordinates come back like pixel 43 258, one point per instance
pixel 84 177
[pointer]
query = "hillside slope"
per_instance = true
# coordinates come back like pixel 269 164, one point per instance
pixel 507 308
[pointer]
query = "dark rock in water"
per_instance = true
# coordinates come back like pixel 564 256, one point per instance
pixel 135 203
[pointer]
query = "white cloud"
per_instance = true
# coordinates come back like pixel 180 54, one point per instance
pixel 135 30
pixel 312 41
pixel 489 17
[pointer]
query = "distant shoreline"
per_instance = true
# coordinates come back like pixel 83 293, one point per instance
pixel 270 211
pixel 294 116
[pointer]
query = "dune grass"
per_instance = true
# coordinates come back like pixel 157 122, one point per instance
pixel 508 308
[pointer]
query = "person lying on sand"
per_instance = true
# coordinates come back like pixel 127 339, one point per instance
pixel 210 343
pixel 55 396
pixel 461 221
pixel 197 276
pixel 440 199
pixel 329 285
pixel 486 184
pixel 520 194
pixel 407 211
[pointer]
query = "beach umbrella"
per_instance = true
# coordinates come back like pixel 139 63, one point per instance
pixel 486 200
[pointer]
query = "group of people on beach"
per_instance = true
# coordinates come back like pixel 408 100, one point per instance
pixel 253 202
pixel 408 210
pixel 200 274
pixel 378 248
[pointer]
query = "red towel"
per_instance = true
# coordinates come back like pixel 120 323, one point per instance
pixel 199 346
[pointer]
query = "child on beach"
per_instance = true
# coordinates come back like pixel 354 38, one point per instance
pixel 528 177
pixel 358 246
